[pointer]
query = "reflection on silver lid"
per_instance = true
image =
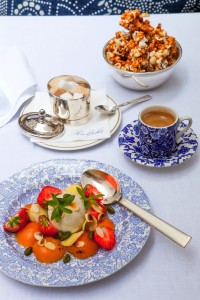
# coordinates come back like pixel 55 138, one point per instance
pixel 40 125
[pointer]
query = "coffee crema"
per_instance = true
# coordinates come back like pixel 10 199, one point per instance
pixel 158 118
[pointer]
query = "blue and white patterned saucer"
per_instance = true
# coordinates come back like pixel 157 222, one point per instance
pixel 22 188
pixel 129 144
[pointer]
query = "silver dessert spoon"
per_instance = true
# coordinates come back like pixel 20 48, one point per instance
pixel 106 109
pixel 110 188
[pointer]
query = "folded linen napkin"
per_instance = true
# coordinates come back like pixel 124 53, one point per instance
pixel 98 126
pixel 16 82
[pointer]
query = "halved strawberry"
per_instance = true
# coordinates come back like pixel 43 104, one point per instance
pixel 105 237
pixel 46 194
pixel 17 222
pixel 46 227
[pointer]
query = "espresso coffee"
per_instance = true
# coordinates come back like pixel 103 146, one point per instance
pixel 158 118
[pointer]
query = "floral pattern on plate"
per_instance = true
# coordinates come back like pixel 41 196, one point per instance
pixel 23 187
pixel 130 146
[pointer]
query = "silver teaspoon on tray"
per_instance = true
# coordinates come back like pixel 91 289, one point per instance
pixel 106 109
pixel 110 188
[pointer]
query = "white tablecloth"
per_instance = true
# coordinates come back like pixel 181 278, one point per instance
pixel 73 45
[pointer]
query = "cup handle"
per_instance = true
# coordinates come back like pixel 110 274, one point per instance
pixel 186 128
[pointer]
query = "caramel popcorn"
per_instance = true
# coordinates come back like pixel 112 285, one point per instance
pixel 143 48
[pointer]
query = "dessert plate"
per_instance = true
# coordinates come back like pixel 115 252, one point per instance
pixel 114 120
pixel 23 187
pixel 129 144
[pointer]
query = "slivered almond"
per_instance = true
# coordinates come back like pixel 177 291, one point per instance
pixel 92 225
pixel 88 217
pixel 99 231
pixel 35 208
pixel 100 217
pixel 38 235
pixel 42 242
pixel 79 244
pixel 50 246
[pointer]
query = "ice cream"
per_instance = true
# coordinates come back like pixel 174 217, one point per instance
pixel 70 222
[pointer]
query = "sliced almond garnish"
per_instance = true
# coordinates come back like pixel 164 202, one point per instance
pixel 79 244
pixel 38 235
pixel 35 208
pixel 42 242
pixel 83 226
pixel 91 222
pixel 100 217
pixel 50 246
pixel 88 217
pixel 92 226
pixel 99 231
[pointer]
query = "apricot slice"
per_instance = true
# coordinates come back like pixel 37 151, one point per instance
pixel 50 251
pixel 25 237
pixel 84 247
pixel 106 222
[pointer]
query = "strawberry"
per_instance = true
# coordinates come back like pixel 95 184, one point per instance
pixel 17 222
pixel 45 195
pixel 90 190
pixel 105 237
pixel 46 227
pixel 96 213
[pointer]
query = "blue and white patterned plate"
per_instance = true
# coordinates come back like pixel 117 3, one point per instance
pixel 23 188
pixel 129 144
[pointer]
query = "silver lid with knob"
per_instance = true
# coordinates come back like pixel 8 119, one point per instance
pixel 40 125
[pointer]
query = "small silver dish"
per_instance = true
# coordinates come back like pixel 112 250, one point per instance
pixel 141 81
pixel 70 111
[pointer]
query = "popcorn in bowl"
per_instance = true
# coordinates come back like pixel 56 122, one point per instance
pixel 142 48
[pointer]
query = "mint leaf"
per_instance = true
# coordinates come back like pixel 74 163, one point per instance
pixel 94 202
pixel 52 203
pixel 56 214
pixel 88 200
pixel 66 210
pixel 81 193
pixel 59 205
pixel 68 196
pixel 87 204
pixel 67 200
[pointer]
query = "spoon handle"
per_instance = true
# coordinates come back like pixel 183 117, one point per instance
pixel 165 228
pixel 138 100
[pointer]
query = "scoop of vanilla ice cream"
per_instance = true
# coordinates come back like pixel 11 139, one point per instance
pixel 70 222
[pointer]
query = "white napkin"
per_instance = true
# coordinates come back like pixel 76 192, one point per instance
pixel 97 128
pixel 16 82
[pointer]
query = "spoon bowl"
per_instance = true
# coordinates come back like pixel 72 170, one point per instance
pixel 105 183
pixel 109 110
pixel 106 109
pixel 109 186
